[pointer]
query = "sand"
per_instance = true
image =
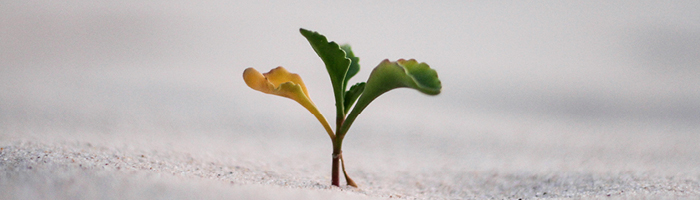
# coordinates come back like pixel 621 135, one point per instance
pixel 140 166
pixel 83 171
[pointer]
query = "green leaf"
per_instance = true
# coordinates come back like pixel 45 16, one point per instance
pixel 336 64
pixel 354 65
pixel 352 94
pixel 390 75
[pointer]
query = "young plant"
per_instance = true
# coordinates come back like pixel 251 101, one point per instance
pixel 342 65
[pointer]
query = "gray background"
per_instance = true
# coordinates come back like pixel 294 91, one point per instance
pixel 533 86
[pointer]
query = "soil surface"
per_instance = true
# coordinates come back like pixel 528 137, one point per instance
pixel 85 166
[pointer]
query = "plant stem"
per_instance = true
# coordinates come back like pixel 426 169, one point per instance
pixel 348 180
pixel 335 174
pixel 337 144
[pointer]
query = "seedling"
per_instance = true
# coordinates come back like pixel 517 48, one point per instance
pixel 342 65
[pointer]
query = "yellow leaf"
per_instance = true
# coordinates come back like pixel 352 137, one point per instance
pixel 281 82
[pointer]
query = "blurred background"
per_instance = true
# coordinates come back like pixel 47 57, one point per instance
pixel 518 77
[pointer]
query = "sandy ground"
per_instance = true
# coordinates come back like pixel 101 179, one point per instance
pixel 36 170
pixel 140 166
